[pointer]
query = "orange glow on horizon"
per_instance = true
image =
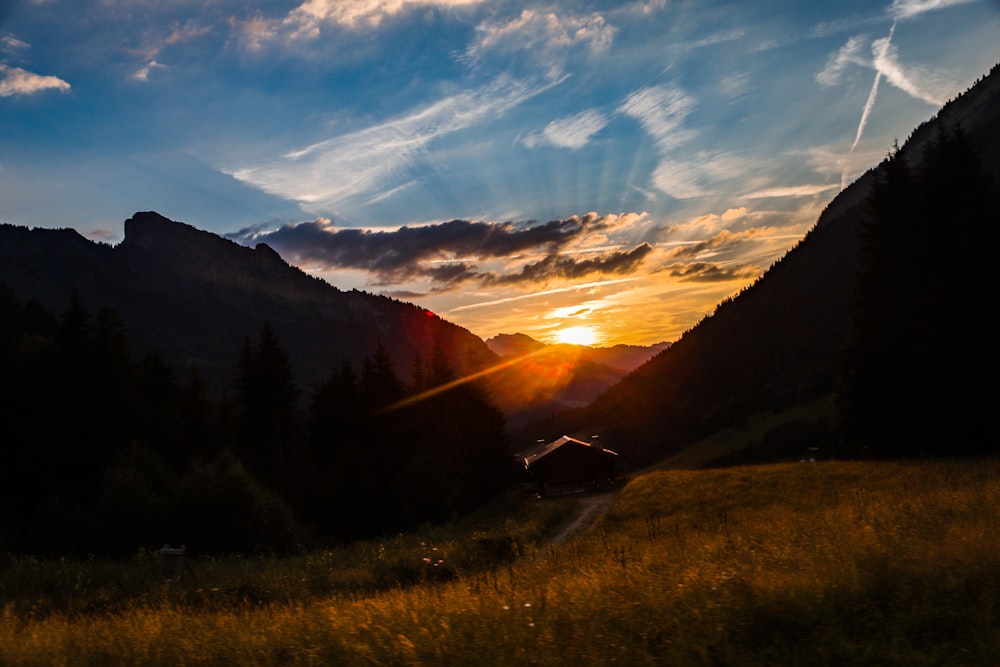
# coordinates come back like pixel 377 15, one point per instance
pixel 578 335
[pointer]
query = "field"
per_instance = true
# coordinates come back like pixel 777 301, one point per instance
pixel 827 563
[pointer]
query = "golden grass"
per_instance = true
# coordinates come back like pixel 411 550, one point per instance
pixel 825 563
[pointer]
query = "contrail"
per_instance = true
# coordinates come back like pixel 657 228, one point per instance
pixel 884 46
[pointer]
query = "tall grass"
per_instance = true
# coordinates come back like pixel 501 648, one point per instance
pixel 826 563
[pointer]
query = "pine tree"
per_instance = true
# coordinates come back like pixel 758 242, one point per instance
pixel 270 427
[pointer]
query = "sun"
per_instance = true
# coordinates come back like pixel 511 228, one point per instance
pixel 577 336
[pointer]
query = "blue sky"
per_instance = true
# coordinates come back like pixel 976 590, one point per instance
pixel 516 166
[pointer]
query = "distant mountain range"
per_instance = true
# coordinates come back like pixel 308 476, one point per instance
pixel 541 379
pixel 624 358
pixel 195 297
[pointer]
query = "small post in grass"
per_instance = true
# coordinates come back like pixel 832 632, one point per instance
pixel 171 562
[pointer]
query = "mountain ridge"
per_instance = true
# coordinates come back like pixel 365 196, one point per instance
pixel 196 297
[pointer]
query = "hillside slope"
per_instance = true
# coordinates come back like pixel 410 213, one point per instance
pixel 196 297
pixel 778 342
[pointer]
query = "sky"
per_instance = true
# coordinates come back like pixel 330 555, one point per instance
pixel 601 172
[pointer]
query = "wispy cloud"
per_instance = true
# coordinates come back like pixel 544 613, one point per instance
pixel 542 293
pixel 369 162
pixel 887 63
pixel 571 132
pixel 16 81
pixel 917 82
pixel 710 272
pixel 542 33
pixel 904 9
pixel 309 19
pixel 662 110
pixel 848 54
pixel 142 74
pixel 709 40
pixel 153 46
pixel 791 191
pixel 11 44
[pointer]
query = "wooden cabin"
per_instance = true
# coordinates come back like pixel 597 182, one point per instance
pixel 568 465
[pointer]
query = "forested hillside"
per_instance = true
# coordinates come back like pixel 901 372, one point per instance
pixel 106 451
pixel 891 269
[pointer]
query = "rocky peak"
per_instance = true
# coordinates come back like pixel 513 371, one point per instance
pixel 184 252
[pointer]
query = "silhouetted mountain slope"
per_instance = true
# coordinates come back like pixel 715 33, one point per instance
pixel 778 342
pixel 196 297
pixel 544 379
pixel 624 358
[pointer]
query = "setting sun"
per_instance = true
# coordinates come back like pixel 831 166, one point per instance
pixel 577 336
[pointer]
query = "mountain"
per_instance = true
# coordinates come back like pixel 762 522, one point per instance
pixel 780 342
pixel 196 297
pixel 538 380
pixel 624 358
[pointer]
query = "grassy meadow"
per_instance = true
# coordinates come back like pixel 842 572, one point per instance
pixel 828 563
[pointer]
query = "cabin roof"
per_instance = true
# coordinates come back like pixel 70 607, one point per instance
pixel 535 454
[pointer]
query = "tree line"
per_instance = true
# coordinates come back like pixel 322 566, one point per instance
pixel 916 377
pixel 107 451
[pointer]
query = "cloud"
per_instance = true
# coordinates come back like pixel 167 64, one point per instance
pixel 542 33
pixel 710 40
pixel 792 191
pixel 368 162
pixel 307 21
pixel 694 176
pixel 718 257
pixel 451 252
pixel 708 272
pixel 904 9
pixel 142 74
pixel 661 111
pixel 572 132
pixel 723 239
pixel 180 33
pixel 10 44
pixel 561 267
pixel 734 214
pixel 735 85
pixel 255 32
pixel 849 54
pixel 16 81
pixel 887 64
pixel 920 83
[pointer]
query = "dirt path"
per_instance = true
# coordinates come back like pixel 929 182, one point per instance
pixel 591 508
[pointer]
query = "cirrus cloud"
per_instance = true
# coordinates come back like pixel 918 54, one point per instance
pixel 542 33
pixel 370 162
pixel 572 132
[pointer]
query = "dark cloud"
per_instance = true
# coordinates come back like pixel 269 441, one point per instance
pixel 708 272
pixel 562 266
pixel 445 253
